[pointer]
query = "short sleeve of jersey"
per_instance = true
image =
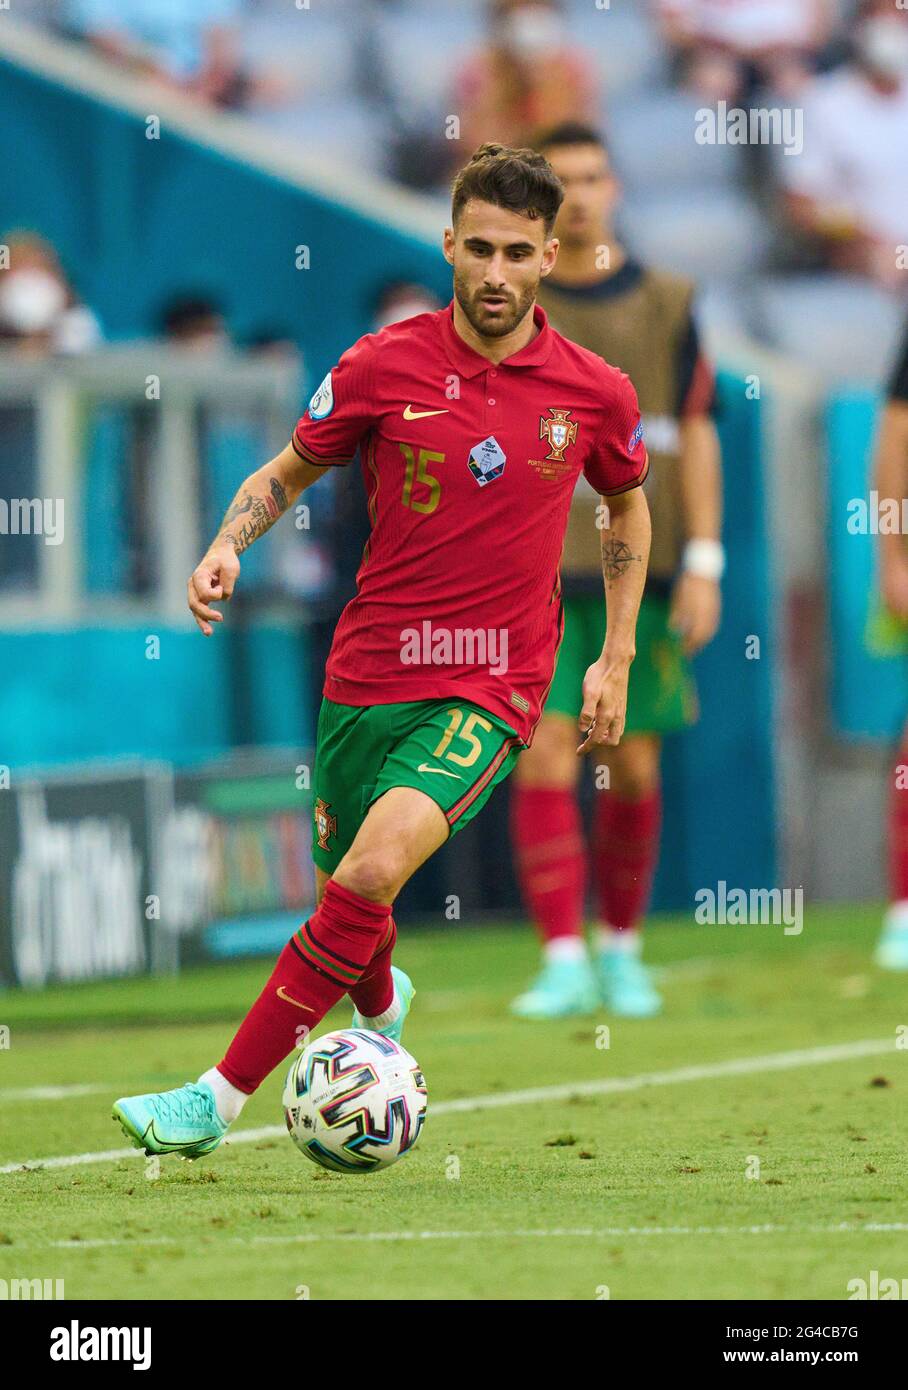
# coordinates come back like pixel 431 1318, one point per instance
pixel 618 461
pixel 341 411
pixel 898 385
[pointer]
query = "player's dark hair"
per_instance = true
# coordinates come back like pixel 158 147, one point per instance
pixel 570 133
pixel 518 180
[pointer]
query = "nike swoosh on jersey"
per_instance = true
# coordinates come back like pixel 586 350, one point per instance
pixel 282 994
pixel 424 767
pixel 411 414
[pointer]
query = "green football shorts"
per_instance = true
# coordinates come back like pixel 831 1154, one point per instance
pixel 661 694
pixel 452 750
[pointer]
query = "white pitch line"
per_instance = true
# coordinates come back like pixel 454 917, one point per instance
pixel 707 1071
pixel 558 1233
pixel 52 1092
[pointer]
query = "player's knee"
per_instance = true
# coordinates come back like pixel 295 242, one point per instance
pixel 551 761
pixel 634 779
pixel 375 876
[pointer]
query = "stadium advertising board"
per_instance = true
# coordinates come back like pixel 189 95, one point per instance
pixel 119 872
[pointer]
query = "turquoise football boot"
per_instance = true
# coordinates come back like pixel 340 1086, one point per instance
pixel 892 948
pixel 562 989
pixel 404 992
pixel 184 1121
pixel 625 986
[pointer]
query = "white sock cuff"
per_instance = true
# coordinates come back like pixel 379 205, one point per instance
pixel 610 939
pixel 391 1015
pixel 897 916
pixel 565 948
pixel 228 1098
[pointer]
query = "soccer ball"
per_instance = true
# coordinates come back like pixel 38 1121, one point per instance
pixel 354 1101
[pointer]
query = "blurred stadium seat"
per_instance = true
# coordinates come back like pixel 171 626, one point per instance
pixel 651 139
pixel 420 52
pixel 623 43
pixel 313 52
pixel 716 233
pixel 844 327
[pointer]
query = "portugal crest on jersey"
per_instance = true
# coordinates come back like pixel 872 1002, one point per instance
pixel 560 430
pixel 325 825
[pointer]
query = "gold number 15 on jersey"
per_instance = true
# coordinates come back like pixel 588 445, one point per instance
pixel 455 719
pixel 417 471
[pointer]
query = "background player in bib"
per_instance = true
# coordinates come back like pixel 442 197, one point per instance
pixel 473 424
pixel 640 319
pixel 892 482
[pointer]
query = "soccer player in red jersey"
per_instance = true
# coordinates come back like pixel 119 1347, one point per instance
pixel 473 425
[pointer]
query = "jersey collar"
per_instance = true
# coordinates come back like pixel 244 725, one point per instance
pixel 469 363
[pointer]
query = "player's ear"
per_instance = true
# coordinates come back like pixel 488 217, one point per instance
pixel 447 245
pixel 549 256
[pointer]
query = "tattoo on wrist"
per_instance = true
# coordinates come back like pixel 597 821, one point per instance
pixel 262 512
pixel 617 557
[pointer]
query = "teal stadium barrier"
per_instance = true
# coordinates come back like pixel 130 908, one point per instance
pixel 719 784
pixel 137 221
pixel 868 692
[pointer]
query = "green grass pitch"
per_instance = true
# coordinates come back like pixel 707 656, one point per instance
pixel 762 1183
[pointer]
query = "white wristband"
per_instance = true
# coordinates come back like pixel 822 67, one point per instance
pixel 704 558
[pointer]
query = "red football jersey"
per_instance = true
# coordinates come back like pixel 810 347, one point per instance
pixel 469 469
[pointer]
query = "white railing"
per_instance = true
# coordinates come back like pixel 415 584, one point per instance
pixel 173 389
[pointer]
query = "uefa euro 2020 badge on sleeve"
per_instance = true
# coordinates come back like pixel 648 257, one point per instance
pixel 322 402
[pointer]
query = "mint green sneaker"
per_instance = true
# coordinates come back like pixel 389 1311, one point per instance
pixel 625 985
pixel 184 1121
pixel 562 989
pixel 403 991
pixel 892 948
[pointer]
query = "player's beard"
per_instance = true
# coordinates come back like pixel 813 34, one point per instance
pixel 493 325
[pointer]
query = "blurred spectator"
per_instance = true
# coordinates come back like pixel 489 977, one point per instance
pixel 39 311
pixel 195 322
pixel 273 343
pixel 191 45
pixel 401 300
pixel 727 48
pixel 526 78
pixel 848 189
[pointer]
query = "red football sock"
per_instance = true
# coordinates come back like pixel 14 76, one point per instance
pixel 898 831
pixel 550 855
pixel 316 968
pixel 625 853
pixel 375 991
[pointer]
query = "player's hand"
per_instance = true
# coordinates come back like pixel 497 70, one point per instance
pixel 894 584
pixel 604 703
pixel 211 582
pixel 695 611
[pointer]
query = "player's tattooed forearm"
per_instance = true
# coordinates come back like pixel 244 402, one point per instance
pixel 242 503
pixel 617 557
pixel 262 513
pixel 279 495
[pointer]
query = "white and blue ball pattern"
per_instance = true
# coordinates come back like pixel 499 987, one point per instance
pixel 354 1101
